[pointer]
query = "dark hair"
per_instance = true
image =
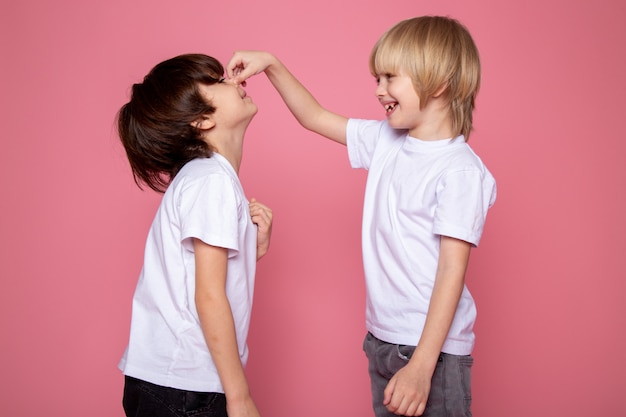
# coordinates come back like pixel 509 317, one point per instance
pixel 155 126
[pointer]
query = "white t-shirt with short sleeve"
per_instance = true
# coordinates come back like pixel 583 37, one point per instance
pixel 416 192
pixel 167 347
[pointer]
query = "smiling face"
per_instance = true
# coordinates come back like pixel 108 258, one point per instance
pixel 405 109
pixel 441 59
pixel 397 95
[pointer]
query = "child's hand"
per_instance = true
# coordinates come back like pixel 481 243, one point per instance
pixel 407 391
pixel 262 217
pixel 245 64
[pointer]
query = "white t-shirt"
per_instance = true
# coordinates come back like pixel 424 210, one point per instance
pixel 167 346
pixel 416 192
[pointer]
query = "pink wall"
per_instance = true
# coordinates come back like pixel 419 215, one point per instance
pixel 548 277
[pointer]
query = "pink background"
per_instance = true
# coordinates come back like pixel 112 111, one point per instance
pixel 548 277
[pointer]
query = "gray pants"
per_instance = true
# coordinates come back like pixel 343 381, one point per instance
pixel 450 393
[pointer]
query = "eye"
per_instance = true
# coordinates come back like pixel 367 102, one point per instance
pixel 221 80
pixel 387 77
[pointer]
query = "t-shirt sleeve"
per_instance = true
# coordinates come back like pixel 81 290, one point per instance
pixel 463 199
pixel 361 141
pixel 209 211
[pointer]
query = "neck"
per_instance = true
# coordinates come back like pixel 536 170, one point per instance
pixel 232 156
pixel 431 132
pixel 436 123
pixel 229 144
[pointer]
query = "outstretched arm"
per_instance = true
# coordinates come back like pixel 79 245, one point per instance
pixel 309 113
pixel 408 389
pixel 218 326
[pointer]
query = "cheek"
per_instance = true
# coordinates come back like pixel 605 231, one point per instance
pixel 411 101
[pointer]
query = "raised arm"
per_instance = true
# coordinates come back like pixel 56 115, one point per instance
pixel 309 113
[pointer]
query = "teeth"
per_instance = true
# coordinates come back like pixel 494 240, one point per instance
pixel 389 107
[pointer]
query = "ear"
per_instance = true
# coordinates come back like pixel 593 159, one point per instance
pixel 441 90
pixel 203 123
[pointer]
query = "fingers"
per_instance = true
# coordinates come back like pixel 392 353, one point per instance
pixel 406 407
pixel 238 68
pixel 262 216
pixel 260 213
pixel 233 68
pixel 402 403
pixel 245 64
pixel 387 394
pixel 258 207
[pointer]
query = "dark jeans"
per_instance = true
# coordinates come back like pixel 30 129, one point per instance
pixel 450 393
pixel 143 399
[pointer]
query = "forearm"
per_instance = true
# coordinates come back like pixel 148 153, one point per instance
pixel 216 319
pixel 219 332
pixel 309 113
pixel 443 305
pixel 447 291
pixel 297 98
pixel 408 389
pixel 305 108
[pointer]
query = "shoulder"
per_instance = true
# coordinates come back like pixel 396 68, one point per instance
pixel 462 157
pixel 373 135
pixel 379 128
pixel 465 170
pixel 203 174
pixel 462 166
pixel 200 167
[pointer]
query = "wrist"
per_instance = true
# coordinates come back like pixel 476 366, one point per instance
pixel 237 394
pixel 424 359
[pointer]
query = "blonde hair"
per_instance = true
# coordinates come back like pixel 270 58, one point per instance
pixel 438 53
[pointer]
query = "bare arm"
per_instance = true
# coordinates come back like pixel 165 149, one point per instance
pixel 218 327
pixel 408 389
pixel 309 113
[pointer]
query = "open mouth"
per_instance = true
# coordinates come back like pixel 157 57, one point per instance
pixel 390 107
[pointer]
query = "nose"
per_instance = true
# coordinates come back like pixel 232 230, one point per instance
pixel 381 88
pixel 236 84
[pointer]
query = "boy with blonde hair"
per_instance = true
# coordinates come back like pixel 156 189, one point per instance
pixel 426 202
